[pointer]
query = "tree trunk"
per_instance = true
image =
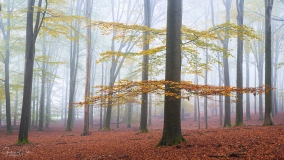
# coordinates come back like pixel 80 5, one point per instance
pixel 172 104
pixel 88 68
pixel 29 65
pixel 16 109
pixel 37 103
pixel 150 111
pixel 225 42
pixel 247 85
pixel 145 64
pixel 66 98
pixel 6 36
pixel 268 64
pixel 240 46
pixel 102 101
pixel 74 58
pixel 42 95
pixel 129 114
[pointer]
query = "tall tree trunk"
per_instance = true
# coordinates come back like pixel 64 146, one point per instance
pixel 42 95
pixel 268 64
pixel 172 104
pixel 74 58
pixel 225 42
pixel 145 64
pixel 219 68
pixel 205 97
pixel 29 65
pixel 6 36
pixel 88 68
pixel 239 105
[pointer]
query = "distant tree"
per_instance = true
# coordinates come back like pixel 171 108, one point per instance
pixel 221 79
pixel 225 42
pixel 88 68
pixel 268 64
pixel 74 59
pixel 31 36
pixel 240 46
pixel 6 32
pixel 172 105
pixel 247 83
pixel 129 114
pixel 145 64
pixel 43 84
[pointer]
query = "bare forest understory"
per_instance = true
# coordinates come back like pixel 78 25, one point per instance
pixel 251 141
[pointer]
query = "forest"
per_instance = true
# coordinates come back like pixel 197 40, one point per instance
pixel 141 79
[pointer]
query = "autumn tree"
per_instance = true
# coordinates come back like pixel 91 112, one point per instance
pixel 88 68
pixel 145 63
pixel 31 36
pixel 172 105
pixel 74 58
pixel 239 105
pixel 268 64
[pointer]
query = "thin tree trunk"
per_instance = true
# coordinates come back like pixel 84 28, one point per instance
pixel 6 36
pixel 247 85
pixel 150 110
pixel 129 114
pixel 16 109
pixel 145 64
pixel 74 58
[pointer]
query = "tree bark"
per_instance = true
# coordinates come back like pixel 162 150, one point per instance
pixel 240 46
pixel 247 85
pixel 145 64
pixel 6 36
pixel 172 104
pixel 88 68
pixel 268 64
pixel 74 58
pixel 29 65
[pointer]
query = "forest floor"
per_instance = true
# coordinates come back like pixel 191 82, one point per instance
pixel 253 141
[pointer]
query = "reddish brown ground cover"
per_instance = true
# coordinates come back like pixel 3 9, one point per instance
pixel 250 142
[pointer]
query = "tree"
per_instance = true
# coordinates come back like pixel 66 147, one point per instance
pixel 6 36
pixel 145 63
pixel 43 84
pixel 247 83
pixel 172 105
pixel 74 58
pixel 88 68
pixel 225 42
pixel 240 46
pixel 268 64
pixel 31 36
